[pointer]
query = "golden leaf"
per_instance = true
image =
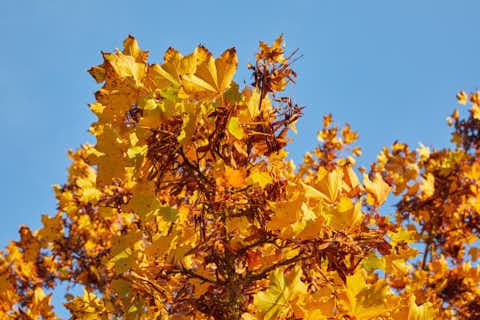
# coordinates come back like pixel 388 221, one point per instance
pixel 175 66
pixel 427 186
pixel 281 290
pixel 235 178
pixel 346 216
pixel 235 129
pixel 212 76
pixel 462 97
pixel 366 301
pixel 260 178
pixel 378 188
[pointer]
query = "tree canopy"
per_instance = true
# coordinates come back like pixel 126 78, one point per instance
pixel 187 207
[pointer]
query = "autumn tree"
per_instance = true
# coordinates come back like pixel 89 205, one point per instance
pixel 186 207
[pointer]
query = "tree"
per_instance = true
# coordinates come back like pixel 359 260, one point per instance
pixel 186 208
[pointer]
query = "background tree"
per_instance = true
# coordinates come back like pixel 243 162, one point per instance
pixel 186 208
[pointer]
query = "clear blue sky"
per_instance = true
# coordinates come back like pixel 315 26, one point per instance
pixel 389 68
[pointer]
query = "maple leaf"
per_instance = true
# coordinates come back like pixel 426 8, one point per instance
pixel 273 53
pixel 281 290
pixel 52 228
pixel 235 129
pixel 427 186
pixel 346 215
pixel 235 178
pixel 414 312
pixel 462 97
pixel 171 72
pixel 41 304
pixel 88 307
pixel 260 178
pixel 377 188
pixel 212 76
pixel 366 301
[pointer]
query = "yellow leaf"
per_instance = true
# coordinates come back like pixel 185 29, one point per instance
pixel 174 67
pixel 120 66
pixel 235 129
pixel 456 138
pixel 235 178
pixel 123 252
pixel 147 206
pixel 346 215
pixel 122 287
pixel 350 178
pixel 130 48
pixel 272 53
pixel 253 101
pixel 427 186
pixel 281 291
pixel 317 306
pixel 29 244
pixel 293 127
pixel 200 287
pixel 212 76
pixel 314 228
pixel 226 66
pixel 137 152
pixel 190 114
pixel 262 178
pixel 41 303
pixel 52 227
pixel 159 246
pixel 423 152
pixel 98 73
pixel 334 182
pixel 286 212
pixel 473 172
pixel 476 111
pixel 312 193
pixel 462 97
pixel 88 307
pixel 424 312
pixel 401 235
pixel 366 301
pixel 121 259
pixel 378 188
pixel 327 186
pixel 372 262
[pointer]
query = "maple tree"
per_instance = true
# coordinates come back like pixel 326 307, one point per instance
pixel 186 207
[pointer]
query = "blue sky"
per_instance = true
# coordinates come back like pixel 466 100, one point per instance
pixel 389 68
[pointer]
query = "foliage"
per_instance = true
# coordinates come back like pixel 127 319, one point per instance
pixel 186 208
